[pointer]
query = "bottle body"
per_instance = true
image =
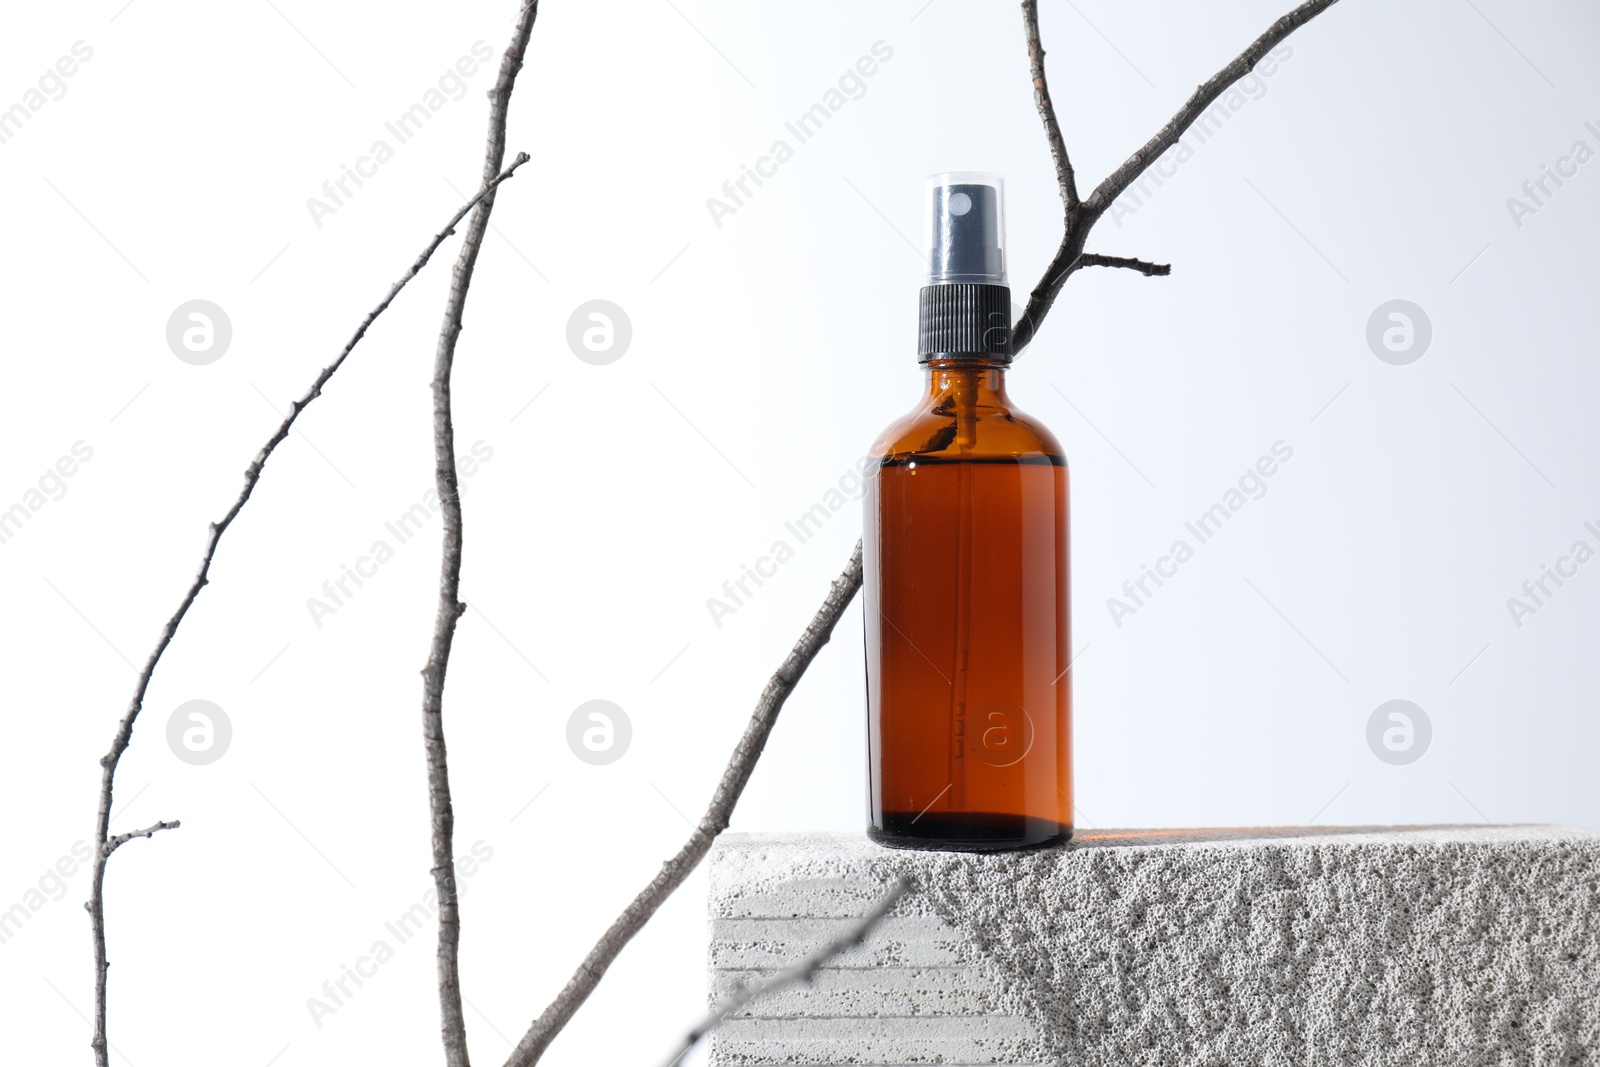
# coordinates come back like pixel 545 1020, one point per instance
pixel 968 622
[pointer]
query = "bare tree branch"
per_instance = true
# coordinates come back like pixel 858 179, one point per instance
pixel 1069 256
pixel 1149 270
pixel 1065 178
pixel 452 1023
pixel 712 823
pixel 799 974
pixel 103 841
pixel 1203 98
pixel 149 831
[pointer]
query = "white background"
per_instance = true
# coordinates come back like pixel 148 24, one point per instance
pixel 766 355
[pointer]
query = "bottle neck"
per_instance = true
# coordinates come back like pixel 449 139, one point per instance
pixel 972 381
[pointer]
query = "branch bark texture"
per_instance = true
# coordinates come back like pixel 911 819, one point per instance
pixel 105 844
pixel 452 1023
pixel 1080 217
pixel 1066 179
pixel 712 823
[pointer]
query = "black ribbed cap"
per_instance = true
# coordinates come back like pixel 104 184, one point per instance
pixel 964 320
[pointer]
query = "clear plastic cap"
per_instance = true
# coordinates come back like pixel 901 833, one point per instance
pixel 966 233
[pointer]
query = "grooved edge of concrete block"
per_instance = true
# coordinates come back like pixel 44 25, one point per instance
pixel 1361 945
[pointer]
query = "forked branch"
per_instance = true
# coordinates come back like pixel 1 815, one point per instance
pixel 1081 217
pixel 105 844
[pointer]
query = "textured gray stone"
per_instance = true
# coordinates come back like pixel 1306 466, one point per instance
pixel 1168 948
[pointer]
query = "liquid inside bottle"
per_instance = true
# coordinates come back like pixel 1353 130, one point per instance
pixel 966 580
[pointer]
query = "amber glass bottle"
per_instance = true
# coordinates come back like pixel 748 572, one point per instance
pixel 966 580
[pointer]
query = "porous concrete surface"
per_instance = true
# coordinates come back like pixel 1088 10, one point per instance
pixel 1458 946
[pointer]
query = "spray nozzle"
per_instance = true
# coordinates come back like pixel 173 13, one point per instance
pixel 966 229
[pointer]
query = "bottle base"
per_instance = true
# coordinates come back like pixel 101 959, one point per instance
pixel 974 831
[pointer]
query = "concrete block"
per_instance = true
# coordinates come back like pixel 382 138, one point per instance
pixel 1169 948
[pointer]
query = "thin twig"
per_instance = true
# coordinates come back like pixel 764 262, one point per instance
pixel 1204 96
pixel 252 475
pixel 149 831
pixel 798 974
pixel 452 1022
pixel 712 823
pixel 1065 178
pixel 1069 255
pixel 1149 270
